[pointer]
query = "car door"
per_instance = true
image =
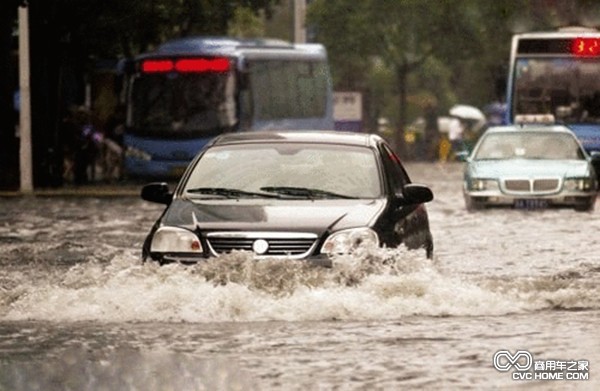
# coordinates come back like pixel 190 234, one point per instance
pixel 402 223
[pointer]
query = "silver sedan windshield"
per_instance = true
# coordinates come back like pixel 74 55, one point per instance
pixel 529 145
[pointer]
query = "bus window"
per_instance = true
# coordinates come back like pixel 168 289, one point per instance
pixel 289 89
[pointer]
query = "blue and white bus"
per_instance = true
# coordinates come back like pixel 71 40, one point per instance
pixel 555 77
pixel 191 89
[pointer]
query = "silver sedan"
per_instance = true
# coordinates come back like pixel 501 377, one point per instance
pixel 529 166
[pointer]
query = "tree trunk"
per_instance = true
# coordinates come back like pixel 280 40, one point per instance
pixel 400 144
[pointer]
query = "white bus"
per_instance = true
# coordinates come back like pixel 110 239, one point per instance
pixel 555 76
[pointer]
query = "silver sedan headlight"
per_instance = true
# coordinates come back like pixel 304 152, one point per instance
pixel 348 240
pixel 483 184
pixel 175 240
pixel 579 184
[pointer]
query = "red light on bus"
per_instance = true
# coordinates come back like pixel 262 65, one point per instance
pixel 151 66
pixel 186 65
pixel 586 47
pixel 202 65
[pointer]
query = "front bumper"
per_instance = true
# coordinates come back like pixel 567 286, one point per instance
pixel 189 259
pixel 530 200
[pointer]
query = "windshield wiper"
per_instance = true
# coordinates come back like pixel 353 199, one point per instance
pixel 229 193
pixel 304 192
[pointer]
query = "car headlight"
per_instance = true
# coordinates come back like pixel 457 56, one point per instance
pixel 579 184
pixel 483 184
pixel 348 240
pixel 175 240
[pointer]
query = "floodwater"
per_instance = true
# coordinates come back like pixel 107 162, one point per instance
pixel 78 311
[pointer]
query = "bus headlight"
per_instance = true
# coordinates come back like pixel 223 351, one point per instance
pixel 175 240
pixel 348 240
pixel 578 184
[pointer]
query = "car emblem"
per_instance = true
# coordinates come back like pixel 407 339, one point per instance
pixel 260 246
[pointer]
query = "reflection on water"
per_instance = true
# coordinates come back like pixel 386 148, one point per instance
pixel 125 369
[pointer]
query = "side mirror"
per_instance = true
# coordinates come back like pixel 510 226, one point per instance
pixel 595 155
pixel 157 192
pixel 414 194
pixel 462 156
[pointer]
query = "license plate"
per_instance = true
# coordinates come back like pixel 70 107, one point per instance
pixel 531 204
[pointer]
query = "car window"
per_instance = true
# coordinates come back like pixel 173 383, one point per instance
pixel 397 175
pixel 529 145
pixel 345 170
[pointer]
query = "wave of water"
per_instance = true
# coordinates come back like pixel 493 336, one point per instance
pixel 377 284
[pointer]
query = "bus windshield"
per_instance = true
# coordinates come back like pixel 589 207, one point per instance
pixel 182 104
pixel 568 88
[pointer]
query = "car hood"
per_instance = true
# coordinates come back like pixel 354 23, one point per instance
pixel 527 168
pixel 314 216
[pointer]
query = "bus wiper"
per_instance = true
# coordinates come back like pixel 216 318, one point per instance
pixel 304 192
pixel 229 193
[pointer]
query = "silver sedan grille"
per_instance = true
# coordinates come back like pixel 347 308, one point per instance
pixel 532 186
pixel 273 244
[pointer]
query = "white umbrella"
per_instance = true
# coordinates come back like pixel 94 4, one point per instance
pixel 467 112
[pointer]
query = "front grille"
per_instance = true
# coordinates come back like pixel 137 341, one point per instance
pixel 532 186
pixel 545 184
pixel 280 244
pixel 517 185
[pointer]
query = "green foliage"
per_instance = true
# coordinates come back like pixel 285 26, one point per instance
pixel 246 24
pixel 113 28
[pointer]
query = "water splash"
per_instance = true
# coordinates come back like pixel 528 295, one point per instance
pixel 374 284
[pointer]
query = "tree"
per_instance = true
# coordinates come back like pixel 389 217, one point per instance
pixel 452 50
pixel 404 35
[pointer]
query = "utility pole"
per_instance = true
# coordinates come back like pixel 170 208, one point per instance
pixel 299 21
pixel 25 154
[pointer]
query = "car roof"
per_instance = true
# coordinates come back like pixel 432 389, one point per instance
pixel 299 136
pixel 529 127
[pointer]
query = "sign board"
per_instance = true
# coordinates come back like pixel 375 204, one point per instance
pixel 347 111
pixel 347 106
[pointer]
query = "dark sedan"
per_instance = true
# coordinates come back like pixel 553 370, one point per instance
pixel 296 195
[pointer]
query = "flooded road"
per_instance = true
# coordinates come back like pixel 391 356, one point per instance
pixel 78 311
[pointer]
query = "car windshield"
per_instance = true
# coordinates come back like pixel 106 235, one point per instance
pixel 305 171
pixel 528 145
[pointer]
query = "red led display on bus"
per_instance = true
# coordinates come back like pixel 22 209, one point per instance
pixel 586 47
pixel 202 65
pixel 150 66
pixel 186 65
